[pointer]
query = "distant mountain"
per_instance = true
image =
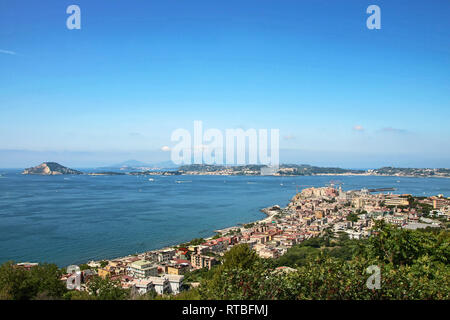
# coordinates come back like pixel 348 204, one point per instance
pixel 165 165
pixel 130 163
pixel 50 168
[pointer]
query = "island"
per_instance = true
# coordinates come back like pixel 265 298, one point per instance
pixel 50 169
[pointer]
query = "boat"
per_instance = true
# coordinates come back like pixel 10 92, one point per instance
pixel 151 179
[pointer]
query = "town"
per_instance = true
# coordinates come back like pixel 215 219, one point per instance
pixel 313 212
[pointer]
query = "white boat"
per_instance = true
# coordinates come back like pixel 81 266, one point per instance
pixel 151 179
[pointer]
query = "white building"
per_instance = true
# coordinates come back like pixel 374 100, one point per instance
pixel 142 269
pixel 166 255
pixel 160 284
pixel 175 282
pixel 142 286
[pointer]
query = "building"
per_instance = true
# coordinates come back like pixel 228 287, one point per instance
pixel 182 253
pixel 142 286
pixel 268 253
pixel 396 201
pixel 397 220
pixel 179 268
pixel 165 255
pixel 109 271
pixel 439 202
pixel 216 245
pixel 175 283
pixel 161 285
pixel 142 269
pixel 27 265
pixel 200 261
pixel 319 214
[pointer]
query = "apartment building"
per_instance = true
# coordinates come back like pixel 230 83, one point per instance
pixel 142 269
pixel 200 261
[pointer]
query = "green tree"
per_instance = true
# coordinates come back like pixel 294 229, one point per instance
pixel 107 289
pixel 42 281
pixel 78 295
pixel 352 217
pixel 240 256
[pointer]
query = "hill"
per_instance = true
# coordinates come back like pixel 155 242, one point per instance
pixel 50 168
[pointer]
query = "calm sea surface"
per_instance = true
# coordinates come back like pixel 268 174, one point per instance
pixel 72 219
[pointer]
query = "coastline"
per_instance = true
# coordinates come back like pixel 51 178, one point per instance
pixel 207 232
pixel 267 219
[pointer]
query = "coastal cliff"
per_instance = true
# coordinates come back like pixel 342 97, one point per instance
pixel 50 168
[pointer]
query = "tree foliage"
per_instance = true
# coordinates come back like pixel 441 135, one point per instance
pixel 42 281
pixel 413 264
pixel 106 289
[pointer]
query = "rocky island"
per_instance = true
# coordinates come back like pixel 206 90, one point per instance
pixel 50 168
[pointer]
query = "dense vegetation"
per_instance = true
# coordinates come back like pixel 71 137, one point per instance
pixel 413 264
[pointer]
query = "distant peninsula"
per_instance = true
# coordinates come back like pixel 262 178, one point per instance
pixel 53 168
pixel 308 170
pixel 50 169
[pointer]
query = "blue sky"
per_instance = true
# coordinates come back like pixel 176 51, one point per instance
pixel 340 94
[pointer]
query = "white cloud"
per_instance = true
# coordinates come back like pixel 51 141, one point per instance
pixel 7 52
pixel 165 148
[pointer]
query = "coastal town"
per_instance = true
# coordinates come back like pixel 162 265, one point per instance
pixel 312 212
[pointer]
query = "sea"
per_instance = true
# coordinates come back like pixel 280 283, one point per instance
pixel 72 219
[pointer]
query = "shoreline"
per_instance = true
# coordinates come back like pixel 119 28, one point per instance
pixel 266 219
